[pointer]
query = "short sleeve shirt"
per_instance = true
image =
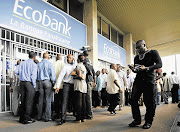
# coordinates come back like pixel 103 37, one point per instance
pixel 104 80
pixel 112 88
pixel 80 85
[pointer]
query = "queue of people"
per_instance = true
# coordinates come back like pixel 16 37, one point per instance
pixel 76 88
pixel 39 80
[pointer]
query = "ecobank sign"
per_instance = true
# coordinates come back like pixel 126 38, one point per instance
pixel 39 19
pixel 110 52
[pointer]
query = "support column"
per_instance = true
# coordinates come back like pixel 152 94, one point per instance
pixel 90 19
pixel 127 42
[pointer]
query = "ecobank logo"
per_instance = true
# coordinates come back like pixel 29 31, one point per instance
pixel 43 19
pixel 112 51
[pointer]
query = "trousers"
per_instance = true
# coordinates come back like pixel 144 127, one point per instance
pixel 45 96
pixel 27 96
pixel 149 96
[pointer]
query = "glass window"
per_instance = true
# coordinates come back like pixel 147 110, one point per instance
pixel 35 43
pixel 105 29
pixel 17 38
pixel 7 35
pixel 76 9
pixel 31 42
pixel 48 46
pixel 22 39
pixel 12 36
pixel 99 24
pixel 61 4
pixel 58 49
pixel 45 46
pixel 26 40
pixel 54 48
pixel 38 44
pixel 3 33
pixel 113 35
pixel 120 40
pixel 42 45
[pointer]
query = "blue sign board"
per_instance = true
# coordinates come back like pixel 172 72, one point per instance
pixel 41 20
pixel 110 52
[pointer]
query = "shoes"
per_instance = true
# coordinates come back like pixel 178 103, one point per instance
pixel 134 123
pixel 46 120
pixel 77 121
pixel 83 120
pixel 178 123
pixel 61 122
pixel 146 126
pixel 28 121
pixel 112 112
pixel 89 118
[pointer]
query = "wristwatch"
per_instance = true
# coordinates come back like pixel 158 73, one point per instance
pixel 147 69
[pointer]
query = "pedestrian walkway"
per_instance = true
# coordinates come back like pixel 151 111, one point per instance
pixel 165 121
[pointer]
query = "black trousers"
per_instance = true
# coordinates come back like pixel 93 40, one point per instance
pixel 35 104
pixel 127 97
pixel 113 101
pixel 68 97
pixel 148 91
pixel 80 106
pixel 58 98
pixel 27 96
pixel 104 97
pixel 96 99
pixel 175 95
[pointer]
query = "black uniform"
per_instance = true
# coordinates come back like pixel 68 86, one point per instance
pixel 145 83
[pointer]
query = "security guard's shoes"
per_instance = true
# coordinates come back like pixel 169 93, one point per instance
pixel 134 124
pixel 146 126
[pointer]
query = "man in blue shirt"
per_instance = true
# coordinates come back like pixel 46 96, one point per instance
pixel 27 72
pixel 46 78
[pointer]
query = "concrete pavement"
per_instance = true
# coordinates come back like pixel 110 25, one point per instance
pixel 165 120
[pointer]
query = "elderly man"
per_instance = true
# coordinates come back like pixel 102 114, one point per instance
pixel 68 87
pixel 128 90
pixel 144 65
pixel 123 84
pixel 27 72
pixel 113 88
pixel 46 78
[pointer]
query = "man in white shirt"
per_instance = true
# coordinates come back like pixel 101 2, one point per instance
pixel 174 80
pixel 113 88
pixel 165 92
pixel 104 95
pixel 68 87
pixel 128 90
pixel 58 65
pixel 123 84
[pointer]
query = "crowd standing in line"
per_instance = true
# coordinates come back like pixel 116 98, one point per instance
pixel 76 87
